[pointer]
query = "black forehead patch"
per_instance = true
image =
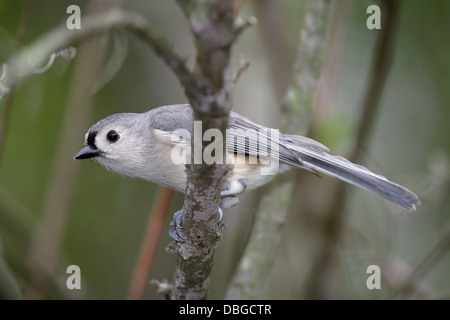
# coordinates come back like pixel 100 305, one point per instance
pixel 91 139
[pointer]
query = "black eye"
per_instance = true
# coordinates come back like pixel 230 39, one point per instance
pixel 112 136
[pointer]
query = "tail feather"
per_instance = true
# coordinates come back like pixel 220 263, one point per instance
pixel 315 155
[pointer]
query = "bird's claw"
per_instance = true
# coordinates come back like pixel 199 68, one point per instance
pixel 176 231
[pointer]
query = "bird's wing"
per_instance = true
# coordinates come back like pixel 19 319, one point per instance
pixel 307 153
pixel 246 137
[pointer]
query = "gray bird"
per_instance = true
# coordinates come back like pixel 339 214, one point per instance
pixel 141 145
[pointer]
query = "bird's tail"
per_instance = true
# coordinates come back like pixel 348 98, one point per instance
pixel 316 156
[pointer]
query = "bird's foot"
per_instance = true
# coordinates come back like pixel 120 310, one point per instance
pixel 176 232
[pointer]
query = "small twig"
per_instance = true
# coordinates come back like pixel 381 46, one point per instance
pixel 381 65
pixel 164 49
pixel 150 243
pixel 6 89
pixel 429 259
pixel 4 72
pixel 278 47
pixel 9 289
pixel 68 53
pixel 334 218
pixel 243 65
pixel 163 287
pixel 19 66
pixel 44 68
pixel 114 62
pixel 237 7
pixel 242 26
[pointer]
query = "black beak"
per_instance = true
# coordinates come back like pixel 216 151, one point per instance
pixel 87 152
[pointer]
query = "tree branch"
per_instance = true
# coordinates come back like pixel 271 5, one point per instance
pixel 47 239
pixel 150 243
pixel 9 101
pixel 265 238
pixel 23 63
pixel 396 272
pixel 428 260
pixel 9 289
pixel 261 249
pixel 335 215
pixel 212 24
pixel 208 88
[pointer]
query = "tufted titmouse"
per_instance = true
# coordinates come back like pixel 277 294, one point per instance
pixel 142 145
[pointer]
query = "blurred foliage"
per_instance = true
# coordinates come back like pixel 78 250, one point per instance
pixel 410 144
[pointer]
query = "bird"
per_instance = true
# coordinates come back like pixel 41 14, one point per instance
pixel 156 145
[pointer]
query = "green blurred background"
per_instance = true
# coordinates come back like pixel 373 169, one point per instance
pixel 104 216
